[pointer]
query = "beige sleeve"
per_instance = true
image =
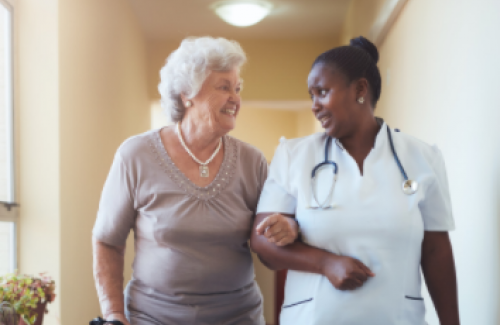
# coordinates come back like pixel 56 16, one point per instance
pixel 117 211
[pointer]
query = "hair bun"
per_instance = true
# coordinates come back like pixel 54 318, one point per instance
pixel 366 45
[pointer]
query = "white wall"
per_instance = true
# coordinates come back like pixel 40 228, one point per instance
pixel 443 61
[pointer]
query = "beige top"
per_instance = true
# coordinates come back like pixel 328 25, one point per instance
pixel 187 239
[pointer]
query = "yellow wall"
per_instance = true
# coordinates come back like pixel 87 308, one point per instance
pixel 37 114
pixel 82 91
pixel 103 101
pixel 360 18
pixel 276 69
pixel 306 123
pixel 264 127
pixel 439 66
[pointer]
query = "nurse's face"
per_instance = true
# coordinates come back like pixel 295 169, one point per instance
pixel 334 100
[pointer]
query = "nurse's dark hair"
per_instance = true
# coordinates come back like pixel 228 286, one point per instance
pixel 356 60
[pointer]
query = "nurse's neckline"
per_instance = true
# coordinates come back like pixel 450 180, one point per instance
pixel 380 121
pixel 360 157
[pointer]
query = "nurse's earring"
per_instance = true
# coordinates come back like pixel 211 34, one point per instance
pixel 188 104
pixel 361 100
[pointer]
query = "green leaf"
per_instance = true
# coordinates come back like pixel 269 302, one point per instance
pixel 18 305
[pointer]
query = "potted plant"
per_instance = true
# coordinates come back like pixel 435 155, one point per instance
pixel 27 295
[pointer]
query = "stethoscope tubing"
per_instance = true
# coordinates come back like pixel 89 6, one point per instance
pixel 326 161
pixel 396 158
pixel 409 187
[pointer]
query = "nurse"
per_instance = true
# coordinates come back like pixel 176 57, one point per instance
pixel 365 236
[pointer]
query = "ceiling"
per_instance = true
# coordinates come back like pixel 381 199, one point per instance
pixel 174 19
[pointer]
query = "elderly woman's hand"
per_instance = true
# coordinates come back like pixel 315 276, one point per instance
pixel 278 229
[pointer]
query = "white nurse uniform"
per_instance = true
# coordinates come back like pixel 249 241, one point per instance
pixel 372 220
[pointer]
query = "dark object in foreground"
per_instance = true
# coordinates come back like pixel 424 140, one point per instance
pixel 100 321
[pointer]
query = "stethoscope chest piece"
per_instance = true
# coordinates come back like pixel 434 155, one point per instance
pixel 410 187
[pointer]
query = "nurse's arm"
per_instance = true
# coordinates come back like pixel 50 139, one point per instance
pixel 438 268
pixel 108 276
pixel 345 273
pixel 296 255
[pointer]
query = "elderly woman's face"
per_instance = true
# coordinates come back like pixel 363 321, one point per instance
pixel 218 101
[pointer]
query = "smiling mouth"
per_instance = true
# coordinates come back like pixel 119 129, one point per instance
pixel 324 120
pixel 229 111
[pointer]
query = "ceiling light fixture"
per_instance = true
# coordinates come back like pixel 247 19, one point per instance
pixel 242 13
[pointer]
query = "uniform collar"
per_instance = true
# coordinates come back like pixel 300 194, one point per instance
pixel 379 139
pixel 337 142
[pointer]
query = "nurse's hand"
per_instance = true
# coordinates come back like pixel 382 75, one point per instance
pixel 278 229
pixel 346 273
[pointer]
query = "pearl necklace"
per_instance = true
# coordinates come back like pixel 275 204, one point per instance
pixel 204 172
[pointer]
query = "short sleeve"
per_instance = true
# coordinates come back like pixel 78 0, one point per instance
pixel 276 195
pixel 436 206
pixel 116 215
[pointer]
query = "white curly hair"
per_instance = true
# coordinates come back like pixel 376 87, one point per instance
pixel 187 68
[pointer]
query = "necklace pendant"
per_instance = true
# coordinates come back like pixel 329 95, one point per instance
pixel 204 171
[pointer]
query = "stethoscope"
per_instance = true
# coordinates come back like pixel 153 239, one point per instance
pixel 409 186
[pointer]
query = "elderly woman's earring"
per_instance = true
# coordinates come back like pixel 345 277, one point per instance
pixel 361 100
pixel 188 104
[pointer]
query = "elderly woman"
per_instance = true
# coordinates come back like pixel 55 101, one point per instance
pixel 190 194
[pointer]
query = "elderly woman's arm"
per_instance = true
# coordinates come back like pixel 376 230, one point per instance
pixel 108 276
pixel 345 273
pixel 438 268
